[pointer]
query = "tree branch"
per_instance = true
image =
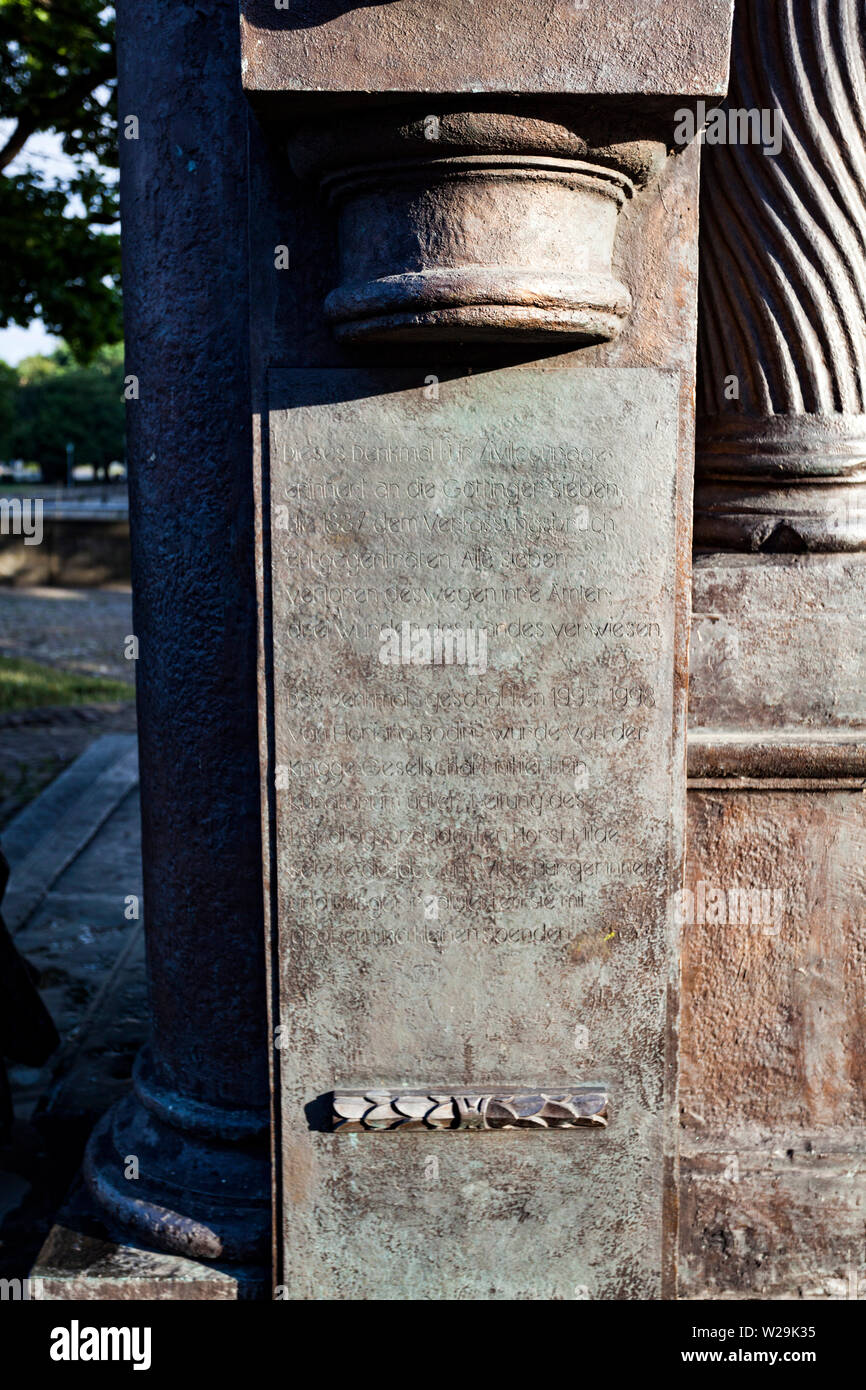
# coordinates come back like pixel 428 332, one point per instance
pixel 17 140
pixel 55 108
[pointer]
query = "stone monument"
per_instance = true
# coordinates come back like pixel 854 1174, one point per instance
pixel 474 301
pixel 412 294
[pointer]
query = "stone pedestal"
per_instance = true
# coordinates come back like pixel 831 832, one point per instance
pixel 473 350
pixel 773 1066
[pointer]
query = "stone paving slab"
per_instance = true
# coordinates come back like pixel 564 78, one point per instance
pixel 70 834
pixel 83 1258
pixel 36 745
pixel 34 823
pixel 72 925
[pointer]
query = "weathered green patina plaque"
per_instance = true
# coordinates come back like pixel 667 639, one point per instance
pixel 473 610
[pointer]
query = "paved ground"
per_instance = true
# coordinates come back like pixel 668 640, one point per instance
pixel 69 825
pixel 33 753
pixel 77 630
pixel 76 861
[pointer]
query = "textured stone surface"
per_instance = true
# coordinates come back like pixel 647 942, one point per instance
pixel 773 1068
pixel 788 1048
pixel 773 1178
pixel 779 643
pixel 655 254
pixel 83 1259
pixel 782 379
pixel 773 1080
pixel 474 867
pixel 779 1221
pixel 499 46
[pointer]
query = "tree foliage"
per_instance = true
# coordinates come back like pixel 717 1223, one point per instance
pixel 59 402
pixel 8 393
pixel 59 258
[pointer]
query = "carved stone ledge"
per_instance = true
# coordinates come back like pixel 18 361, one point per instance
pixel 570 1108
pixel 789 520
pixel 785 483
pixel 784 448
pixel 467 225
pixel 784 756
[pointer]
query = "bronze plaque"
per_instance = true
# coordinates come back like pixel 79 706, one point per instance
pixel 478 798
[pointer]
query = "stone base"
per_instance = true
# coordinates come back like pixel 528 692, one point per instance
pixel 778 644
pixel 85 1259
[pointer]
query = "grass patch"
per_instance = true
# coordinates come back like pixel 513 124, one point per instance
pixel 28 685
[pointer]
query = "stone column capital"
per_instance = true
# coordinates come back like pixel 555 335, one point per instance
pixel 464 223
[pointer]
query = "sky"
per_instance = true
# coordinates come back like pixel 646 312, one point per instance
pixel 42 152
pixel 18 343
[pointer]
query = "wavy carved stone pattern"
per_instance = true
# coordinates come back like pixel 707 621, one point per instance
pixel 574 1108
pixel 783 289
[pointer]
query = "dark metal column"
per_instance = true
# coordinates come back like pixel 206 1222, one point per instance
pixel 197 1119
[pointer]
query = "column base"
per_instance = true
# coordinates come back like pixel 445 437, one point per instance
pixel 85 1258
pixel 781 483
pixel 185 1177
